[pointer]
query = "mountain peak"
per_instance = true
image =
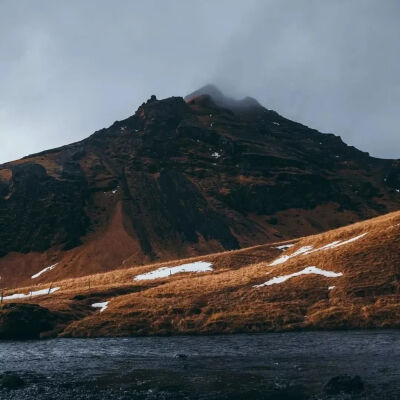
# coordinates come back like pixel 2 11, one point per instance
pixel 209 90
pixel 221 100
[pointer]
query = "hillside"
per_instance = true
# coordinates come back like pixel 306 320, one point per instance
pixel 341 279
pixel 181 178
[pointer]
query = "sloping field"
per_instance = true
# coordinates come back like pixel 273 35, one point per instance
pixel 341 279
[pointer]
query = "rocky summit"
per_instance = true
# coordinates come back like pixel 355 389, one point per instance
pixel 179 178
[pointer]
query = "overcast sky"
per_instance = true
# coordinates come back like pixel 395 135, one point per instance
pixel 68 68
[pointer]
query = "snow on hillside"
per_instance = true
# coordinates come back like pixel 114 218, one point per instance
pixel 164 272
pixel 310 249
pixel 284 246
pixel 51 267
pixel 31 294
pixel 103 306
pixel 305 271
pixel 301 250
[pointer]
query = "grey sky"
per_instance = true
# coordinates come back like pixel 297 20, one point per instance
pixel 68 68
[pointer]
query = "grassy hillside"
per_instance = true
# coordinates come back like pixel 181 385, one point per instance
pixel 341 279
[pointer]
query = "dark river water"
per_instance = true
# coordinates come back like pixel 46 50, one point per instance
pixel 264 366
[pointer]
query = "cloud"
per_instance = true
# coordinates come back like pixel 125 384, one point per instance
pixel 70 68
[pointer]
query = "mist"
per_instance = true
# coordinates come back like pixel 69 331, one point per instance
pixel 70 68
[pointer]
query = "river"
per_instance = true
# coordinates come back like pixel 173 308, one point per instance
pixel 203 367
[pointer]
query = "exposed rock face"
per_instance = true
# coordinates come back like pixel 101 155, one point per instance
pixel 43 211
pixel 190 177
pixel 24 321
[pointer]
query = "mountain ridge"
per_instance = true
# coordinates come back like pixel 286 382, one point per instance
pixel 180 178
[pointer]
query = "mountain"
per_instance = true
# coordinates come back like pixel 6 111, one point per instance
pixel 181 178
pixel 341 279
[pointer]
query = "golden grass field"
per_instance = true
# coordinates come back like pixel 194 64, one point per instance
pixel 226 300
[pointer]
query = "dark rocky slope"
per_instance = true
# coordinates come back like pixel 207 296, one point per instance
pixel 180 178
pixel 24 321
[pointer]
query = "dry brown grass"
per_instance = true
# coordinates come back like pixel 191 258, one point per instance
pixel 225 300
pixel 5 174
pixel 48 162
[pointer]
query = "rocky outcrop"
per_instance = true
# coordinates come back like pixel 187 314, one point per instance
pixel 41 211
pixel 24 321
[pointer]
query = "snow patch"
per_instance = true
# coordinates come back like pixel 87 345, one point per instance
pixel 305 250
pixel 284 246
pixel 51 267
pixel 164 272
pixel 326 247
pixel 305 271
pixel 216 154
pixel 331 287
pixel 276 123
pixel 31 294
pixel 335 244
pixel 339 243
pixel 283 259
pixel 103 306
